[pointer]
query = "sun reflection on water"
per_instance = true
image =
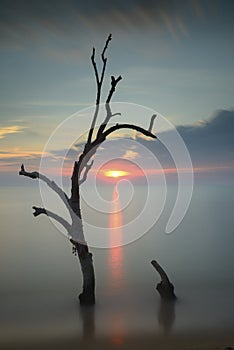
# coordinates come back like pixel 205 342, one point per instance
pixel 116 235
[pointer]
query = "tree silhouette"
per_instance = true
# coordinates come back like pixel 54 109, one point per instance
pixel 79 175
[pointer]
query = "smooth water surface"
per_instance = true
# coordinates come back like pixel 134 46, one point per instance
pixel 40 278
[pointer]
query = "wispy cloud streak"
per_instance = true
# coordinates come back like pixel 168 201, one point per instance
pixel 7 130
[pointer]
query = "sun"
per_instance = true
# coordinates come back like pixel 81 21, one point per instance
pixel 118 169
pixel 115 173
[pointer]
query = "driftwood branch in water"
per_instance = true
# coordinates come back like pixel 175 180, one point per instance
pixel 165 287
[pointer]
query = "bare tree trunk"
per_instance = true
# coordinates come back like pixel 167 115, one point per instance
pixel 87 297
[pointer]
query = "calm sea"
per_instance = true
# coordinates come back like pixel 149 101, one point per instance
pixel 40 278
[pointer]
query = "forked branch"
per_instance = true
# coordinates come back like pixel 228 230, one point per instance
pixel 99 83
pixel 87 168
pixel 91 150
pixel 114 82
pixel 91 146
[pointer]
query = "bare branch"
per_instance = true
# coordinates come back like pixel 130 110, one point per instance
pixel 89 140
pixel 114 83
pixel 95 66
pixel 87 168
pixel 109 114
pixel 104 59
pixel 75 230
pixel 128 126
pixel 85 157
pixel 98 97
pixel 115 114
pixel 152 122
pixel 38 211
pixel 99 82
pixel 91 150
pixel 32 175
pixel 106 46
pixel 51 184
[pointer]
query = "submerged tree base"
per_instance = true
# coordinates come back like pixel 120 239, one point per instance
pixel 87 299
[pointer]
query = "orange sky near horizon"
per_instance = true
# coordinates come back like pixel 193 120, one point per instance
pixel 118 169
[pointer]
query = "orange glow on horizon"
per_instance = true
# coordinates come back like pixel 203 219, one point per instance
pixel 109 172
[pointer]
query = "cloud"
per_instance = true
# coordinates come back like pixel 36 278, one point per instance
pixel 209 142
pixel 13 159
pixel 28 22
pixel 213 139
pixel 6 130
pixel 20 154
pixel 130 154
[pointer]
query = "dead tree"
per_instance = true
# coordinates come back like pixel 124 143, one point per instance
pixel 80 173
pixel 165 287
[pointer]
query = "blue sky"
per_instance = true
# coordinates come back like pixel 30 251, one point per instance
pixel 176 57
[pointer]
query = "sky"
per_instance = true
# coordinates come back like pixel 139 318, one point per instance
pixel 175 57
